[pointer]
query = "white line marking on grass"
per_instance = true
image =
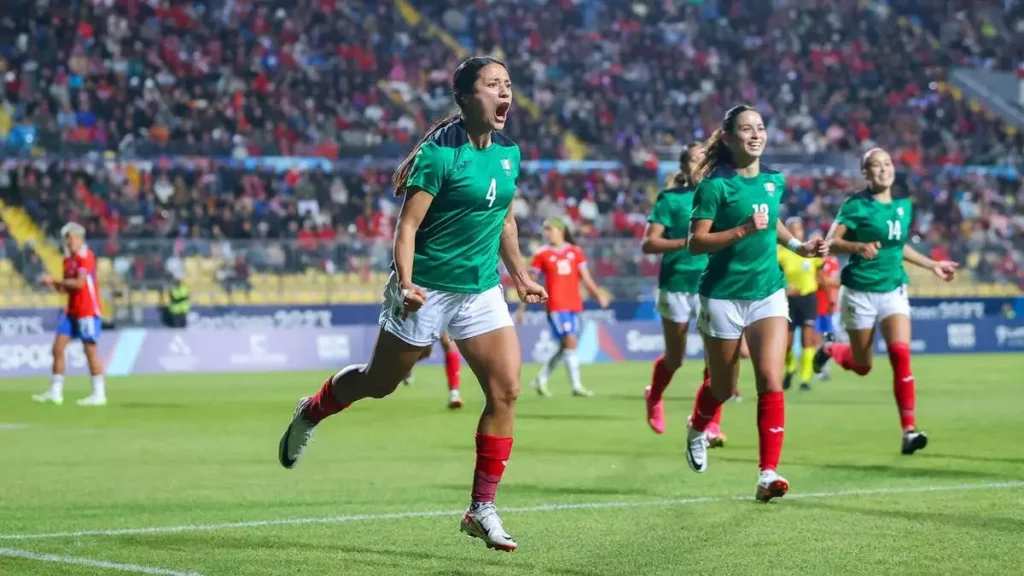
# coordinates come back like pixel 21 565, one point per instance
pixel 9 426
pixel 133 568
pixel 523 510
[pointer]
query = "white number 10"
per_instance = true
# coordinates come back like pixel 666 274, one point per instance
pixel 762 208
pixel 492 192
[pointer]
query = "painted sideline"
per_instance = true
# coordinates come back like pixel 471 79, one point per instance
pixel 133 568
pixel 510 510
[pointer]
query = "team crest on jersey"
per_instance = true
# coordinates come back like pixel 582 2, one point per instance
pixel 899 211
pixel 769 187
pixel 507 165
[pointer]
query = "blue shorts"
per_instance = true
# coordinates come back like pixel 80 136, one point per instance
pixel 86 329
pixel 824 324
pixel 564 324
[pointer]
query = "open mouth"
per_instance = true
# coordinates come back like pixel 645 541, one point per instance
pixel 501 114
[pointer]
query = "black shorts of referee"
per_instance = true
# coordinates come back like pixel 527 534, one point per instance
pixel 803 310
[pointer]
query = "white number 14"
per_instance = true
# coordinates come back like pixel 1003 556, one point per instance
pixel 895 229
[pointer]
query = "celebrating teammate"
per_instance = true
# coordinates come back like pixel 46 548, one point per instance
pixel 735 221
pixel 82 319
pixel 872 227
pixel 564 267
pixel 667 229
pixel 458 184
pixel 828 299
pixel 801 289
pixel 452 370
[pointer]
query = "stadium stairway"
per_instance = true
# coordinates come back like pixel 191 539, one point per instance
pixel 575 147
pixel 24 229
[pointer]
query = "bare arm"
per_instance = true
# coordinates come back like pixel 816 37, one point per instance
pixel 413 210
pixel 782 234
pixel 916 258
pixel 589 284
pixel 509 251
pixel 654 241
pixel 702 240
pixel 840 246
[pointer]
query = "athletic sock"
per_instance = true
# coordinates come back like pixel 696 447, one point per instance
pixel 806 365
pixel 903 384
pixel 57 384
pixel 548 367
pixel 660 379
pixel 492 453
pixel 324 403
pixel 452 366
pixel 704 407
pixel 771 422
pixel 843 355
pixel 572 364
pixel 99 386
pixel 790 362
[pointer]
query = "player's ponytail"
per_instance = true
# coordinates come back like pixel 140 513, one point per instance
pixel 685 177
pixel 463 81
pixel 717 152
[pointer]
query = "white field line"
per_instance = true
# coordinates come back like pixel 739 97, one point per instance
pixel 133 568
pixel 523 510
pixel 9 426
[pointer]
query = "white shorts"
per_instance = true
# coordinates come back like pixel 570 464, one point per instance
pixel 679 307
pixel 726 319
pixel 862 310
pixel 462 315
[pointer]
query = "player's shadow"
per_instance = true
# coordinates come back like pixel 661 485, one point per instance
pixel 555 490
pixel 882 470
pixel 153 405
pixel 584 417
pixel 958 520
pixel 972 458
pixel 638 398
pixel 811 400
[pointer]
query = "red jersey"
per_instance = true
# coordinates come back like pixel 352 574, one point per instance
pixel 84 302
pixel 828 295
pixel 561 269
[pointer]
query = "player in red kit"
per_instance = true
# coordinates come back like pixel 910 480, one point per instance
pixel 452 370
pixel 81 319
pixel 828 299
pixel 564 267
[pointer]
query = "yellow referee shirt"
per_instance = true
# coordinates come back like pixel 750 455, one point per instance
pixel 801 273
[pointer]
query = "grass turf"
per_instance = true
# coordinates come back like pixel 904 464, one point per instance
pixel 185 450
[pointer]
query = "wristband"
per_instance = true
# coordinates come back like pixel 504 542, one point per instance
pixel 794 244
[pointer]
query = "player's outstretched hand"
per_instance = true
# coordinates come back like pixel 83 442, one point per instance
pixel 531 292
pixel 413 298
pixel 46 280
pixel 816 248
pixel 869 249
pixel 603 300
pixel 945 269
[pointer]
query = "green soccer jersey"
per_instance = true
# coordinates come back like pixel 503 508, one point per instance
pixel 868 220
pixel 680 270
pixel 748 269
pixel 457 242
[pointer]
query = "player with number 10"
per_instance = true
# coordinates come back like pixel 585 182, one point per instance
pixel 872 228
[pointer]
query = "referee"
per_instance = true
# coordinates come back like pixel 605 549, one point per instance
pixel 801 288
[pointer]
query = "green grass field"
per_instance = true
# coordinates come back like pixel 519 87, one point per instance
pixel 589 489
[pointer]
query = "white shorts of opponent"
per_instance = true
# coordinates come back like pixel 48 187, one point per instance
pixel 862 310
pixel 726 319
pixel 678 307
pixel 462 315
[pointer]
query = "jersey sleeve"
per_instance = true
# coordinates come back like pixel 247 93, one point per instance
pixel 518 161
pixel 706 200
pixel 538 262
pixel 427 171
pixel 581 257
pixel 660 212
pixel 848 214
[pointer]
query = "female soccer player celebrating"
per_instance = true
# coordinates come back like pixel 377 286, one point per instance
pixel 801 288
pixel 735 221
pixel 564 267
pixel 872 227
pixel 452 370
pixel 458 184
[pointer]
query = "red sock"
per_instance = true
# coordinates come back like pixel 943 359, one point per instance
pixel 843 355
pixel 324 403
pixel 452 366
pixel 716 420
pixel 771 422
pixel 492 454
pixel 704 407
pixel 903 383
pixel 660 379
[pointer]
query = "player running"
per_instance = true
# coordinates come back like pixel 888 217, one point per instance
pixel 563 266
pixel 872 227
pixel 452 370
pixel 82 319
pixel 828 298
pixel 742 290
pixel 458 184
pixel 678 302
pixel 801 289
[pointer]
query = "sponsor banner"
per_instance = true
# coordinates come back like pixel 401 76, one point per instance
pixel 265 349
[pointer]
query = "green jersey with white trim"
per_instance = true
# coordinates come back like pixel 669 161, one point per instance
pixel 868 220
pixel 680 271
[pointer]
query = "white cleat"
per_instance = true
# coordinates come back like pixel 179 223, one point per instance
pixel 296 437
pixel 454 400
pixel 696 448
pixel 770 485
pixel 49 397
pixel 93 400
pixel 541 388
pixel 582 392
pixel 482 521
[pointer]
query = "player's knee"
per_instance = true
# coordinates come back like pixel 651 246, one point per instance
pixel 503 394
pixel 672 360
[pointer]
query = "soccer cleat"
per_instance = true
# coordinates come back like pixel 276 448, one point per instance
pixel 582 392
pixel 821 357
pixel 296 437
pixel 736 397
pixel 93 400
pixel 49 397
pixel 716 438
pixel 655 413
pixel 482 521
pixel 541 388
pixel 696 448
pixel 913 441
pixel 454 400
pixel 805 387
pixel 408 380
pixel 787 380
pixel 770 485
